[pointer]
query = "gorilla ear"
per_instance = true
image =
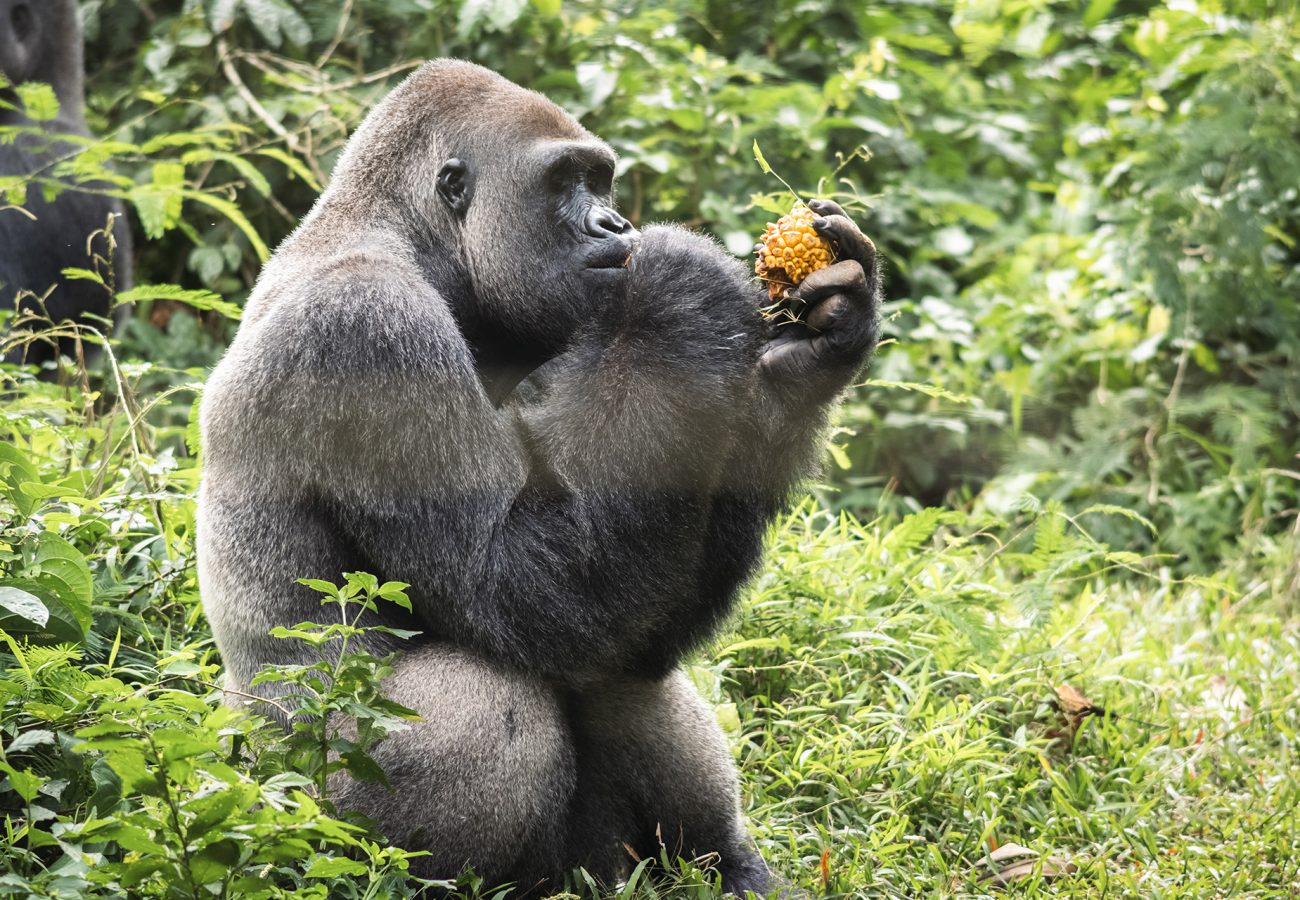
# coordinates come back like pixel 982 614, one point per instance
pixel 453 185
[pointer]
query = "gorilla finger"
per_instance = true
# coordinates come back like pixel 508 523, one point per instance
pixel 791 359
pixel 846 277
pixel 853 244
pixel 827 208
pixel 825 314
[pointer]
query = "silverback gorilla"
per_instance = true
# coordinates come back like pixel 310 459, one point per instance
pixel 467 372
pixel 41 41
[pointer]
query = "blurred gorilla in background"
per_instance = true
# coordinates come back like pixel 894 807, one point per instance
pixel 40 40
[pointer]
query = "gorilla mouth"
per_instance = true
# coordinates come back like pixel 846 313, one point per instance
pixel 616 257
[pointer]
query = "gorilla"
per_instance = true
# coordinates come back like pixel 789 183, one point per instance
pixel 465 371
pixel 40 40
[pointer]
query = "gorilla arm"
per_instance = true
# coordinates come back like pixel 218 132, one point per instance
pixel 690 398
pixel 808 365
pixel 803 370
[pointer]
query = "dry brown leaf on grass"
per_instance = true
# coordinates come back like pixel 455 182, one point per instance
pixel 1012 862
pixel 1074 707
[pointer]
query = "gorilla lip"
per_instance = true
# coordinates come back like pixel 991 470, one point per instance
pixel 616 258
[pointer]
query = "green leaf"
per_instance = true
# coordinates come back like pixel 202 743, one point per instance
pixel 210 811
pixel 175 744
pixel 1049 534
pixel 334 867
pixel 1096 11
pixel 840 456
pixel 63 625
pixel 25 783
pixel 762 163
pixel 914 530
pixel 158 203
pixel 1123 511
pixel 193 433
pixel 293 164
pixel 37 737
pixel 495 15
pixel 362 766
pixel 39 100
pixel 16 470
pixel 75 274
pixel 237 218
pixel 317 584
pixel 134 838
pixel 21 611
pixel 213 862
pixel 256 180
pixel 57 557
pixel 929 390
pixel 276 20
pixel 137 872
pixel 195 298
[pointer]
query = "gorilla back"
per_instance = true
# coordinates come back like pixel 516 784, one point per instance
pixel 566 540
pixel 40 41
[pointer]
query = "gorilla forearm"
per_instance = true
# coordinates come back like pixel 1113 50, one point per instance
pixel 652 391
pixel 664 393
pixel 567 586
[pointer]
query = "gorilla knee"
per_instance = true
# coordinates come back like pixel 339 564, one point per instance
pixel 485 780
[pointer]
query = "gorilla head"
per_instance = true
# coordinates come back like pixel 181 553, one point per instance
pixel 519 190
pixel 40 41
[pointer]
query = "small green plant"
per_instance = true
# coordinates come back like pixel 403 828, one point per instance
pixel 342 686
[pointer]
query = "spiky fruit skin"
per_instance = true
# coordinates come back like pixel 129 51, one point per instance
pixel 790 251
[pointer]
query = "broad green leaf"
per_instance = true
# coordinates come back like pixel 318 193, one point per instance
pixel 25 783
pixel 334 867
pixel 57 557
pixel 158 202
pixel 21 611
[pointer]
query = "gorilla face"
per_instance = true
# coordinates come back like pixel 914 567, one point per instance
pixel 19 38
pixel 541 239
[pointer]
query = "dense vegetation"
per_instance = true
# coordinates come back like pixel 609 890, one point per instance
pixel 1072 469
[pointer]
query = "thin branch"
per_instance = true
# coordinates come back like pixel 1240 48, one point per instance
pixel 290 140
pixel 344 15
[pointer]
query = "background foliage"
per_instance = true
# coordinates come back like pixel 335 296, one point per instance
pixel 1075 458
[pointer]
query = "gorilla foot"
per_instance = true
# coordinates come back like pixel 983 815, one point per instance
pixel 748 874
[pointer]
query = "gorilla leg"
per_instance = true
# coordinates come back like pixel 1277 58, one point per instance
pixel 654 767
pixel 486 779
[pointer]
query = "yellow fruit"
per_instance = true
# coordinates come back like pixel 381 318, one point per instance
pixel 790 251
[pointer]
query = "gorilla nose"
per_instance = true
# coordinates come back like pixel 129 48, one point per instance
pixel 603 222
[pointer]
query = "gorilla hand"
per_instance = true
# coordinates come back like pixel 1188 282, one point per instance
pixel 842 321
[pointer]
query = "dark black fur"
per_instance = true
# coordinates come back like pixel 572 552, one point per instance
pixel 566 542
pixel 41 41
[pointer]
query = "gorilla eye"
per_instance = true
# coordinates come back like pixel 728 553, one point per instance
pixel 600 180
pixel 20 17
pixel 560 178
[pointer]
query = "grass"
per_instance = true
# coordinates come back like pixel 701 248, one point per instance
pixel 891 689
pixel 898 714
